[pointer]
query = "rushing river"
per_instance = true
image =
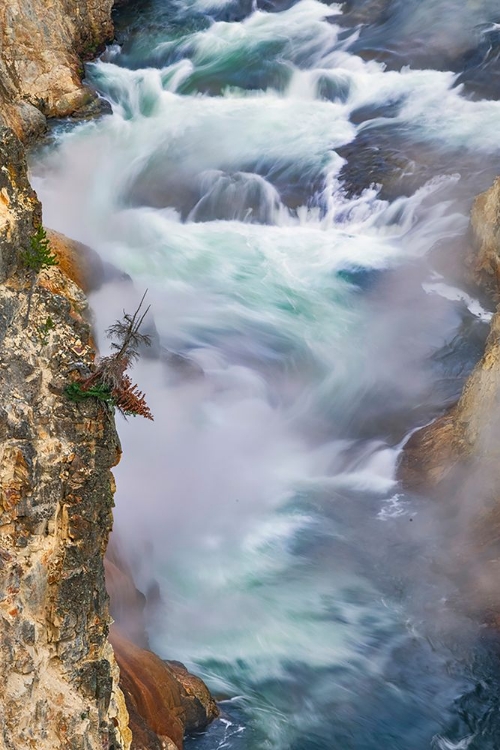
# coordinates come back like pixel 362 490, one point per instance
pixel 291 182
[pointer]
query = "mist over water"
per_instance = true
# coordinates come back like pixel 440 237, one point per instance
pixel 297 209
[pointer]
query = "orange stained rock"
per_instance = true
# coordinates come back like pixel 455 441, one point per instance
pixel 77 261
pixel 150 688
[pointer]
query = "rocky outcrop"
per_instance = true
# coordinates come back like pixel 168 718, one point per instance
pixel 484 258
pixel 77 261
pixel 58 675
pixel 20 211
pixel 41 47
pixel 465 441
pixel 163 699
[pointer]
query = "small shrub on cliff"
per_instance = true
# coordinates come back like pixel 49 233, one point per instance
pixel 45 329
pixel 109 382
pixel 37 257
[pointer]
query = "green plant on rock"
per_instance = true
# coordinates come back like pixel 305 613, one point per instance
pixel 109 383
pixel 78 393
pixel 39 255
pixel 35 258
pixel 45 329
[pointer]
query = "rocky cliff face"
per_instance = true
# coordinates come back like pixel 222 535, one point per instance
pixel 466 440
pixel 60 685
pixel 457 458
pixel 58 675
pixel 41 46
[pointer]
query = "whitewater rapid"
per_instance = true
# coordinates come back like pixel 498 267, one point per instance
pixel 303 331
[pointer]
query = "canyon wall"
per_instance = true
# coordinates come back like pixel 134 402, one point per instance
pixel 456 459
pixel 58 676
pixel 60 684
pixel 465 440
pixel 41 48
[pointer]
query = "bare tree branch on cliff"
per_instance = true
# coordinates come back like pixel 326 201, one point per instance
pixel 110 382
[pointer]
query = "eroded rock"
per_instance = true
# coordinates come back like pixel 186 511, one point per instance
pixel 41 47
pixel 78 261
pixel 484 259
pixel 58 676
pixel 465 440
pixel 20 211
pixel 162 697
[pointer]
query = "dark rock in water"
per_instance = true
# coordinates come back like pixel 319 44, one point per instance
pixel 334 88
pixel 113 273
pixel 480 67
pixel 364 114
pixel 235 197
pixel 371 159
pixel 181 367
pixel 364 12
pixel 96 107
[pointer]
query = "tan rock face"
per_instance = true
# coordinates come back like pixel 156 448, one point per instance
pixel 19 207
pixel 484 258
pixel 58 676
pixel 41 43
pixel 466 440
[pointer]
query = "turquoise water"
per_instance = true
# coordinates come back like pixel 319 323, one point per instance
pixel 296 202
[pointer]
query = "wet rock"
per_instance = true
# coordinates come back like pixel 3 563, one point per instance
pixel 465 441
pixel 364 12
pixel 78 261
pixel 484 257
pixel 161 697
pixel 199 708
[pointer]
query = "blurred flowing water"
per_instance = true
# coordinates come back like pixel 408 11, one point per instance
pixel 292 181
